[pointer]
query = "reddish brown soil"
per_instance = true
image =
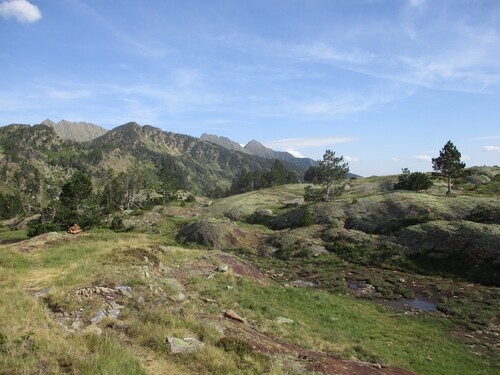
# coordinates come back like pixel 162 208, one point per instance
pixel 319 362
pixel 242 268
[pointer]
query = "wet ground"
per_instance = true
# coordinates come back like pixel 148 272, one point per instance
pixel 420 302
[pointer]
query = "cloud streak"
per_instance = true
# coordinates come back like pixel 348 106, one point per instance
pixel 137 46
pixel 487 138
pixel 297 143
pixel 425 158
pixel 22 10
pixel 464 56
pixel 491 148
pixel 351 159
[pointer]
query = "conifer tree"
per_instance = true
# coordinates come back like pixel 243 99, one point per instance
pixel 448 164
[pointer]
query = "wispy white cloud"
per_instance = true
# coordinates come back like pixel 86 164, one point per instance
pixel 337 107
pixel 21 10
pixel 295 153
pixel 351 159
pixel 103 103
pixel 138 46
pixel 425 158
pixel 394 159
pixel 322 51
pixel 61 94
pixel 344 103
pixel 452 53
pixel 298 143
pixel 491 148
pixel 487 138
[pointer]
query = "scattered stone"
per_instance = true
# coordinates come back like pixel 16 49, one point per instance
pixel 208 300
pixel 114 305
pixel 302 283
pixel 180 297
pixel 113 313
pixel 232 315
pixel 77 325
pixel 125 290
pixel 101 314
pixel 185 345
pixel 229 287
pixel 42 292
pixel 223 268
pixel 145 271
pixel 282 320
pixel 162 249
pixel 163 268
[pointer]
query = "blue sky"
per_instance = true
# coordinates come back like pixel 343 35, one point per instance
pixel 386 83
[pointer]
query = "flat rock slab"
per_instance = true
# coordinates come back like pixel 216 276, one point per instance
pixel 185 345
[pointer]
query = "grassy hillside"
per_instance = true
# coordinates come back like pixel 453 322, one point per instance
pixel 342 295
pixel 49 288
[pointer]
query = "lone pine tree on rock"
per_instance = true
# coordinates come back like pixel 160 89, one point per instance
pixel 331 173
pixel 448 164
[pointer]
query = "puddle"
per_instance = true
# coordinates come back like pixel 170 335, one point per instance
pixel 408 304
pixel 362 288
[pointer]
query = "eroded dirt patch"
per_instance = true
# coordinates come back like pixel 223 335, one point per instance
pixel 38 242
pixel 242 268
pixel 311 360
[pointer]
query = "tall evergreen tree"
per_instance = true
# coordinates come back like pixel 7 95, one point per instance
pixel 76 191
pixel 448 164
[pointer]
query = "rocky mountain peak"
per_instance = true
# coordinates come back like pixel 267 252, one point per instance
pixel 75 131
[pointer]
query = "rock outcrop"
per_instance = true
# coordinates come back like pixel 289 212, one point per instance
pixel 215 233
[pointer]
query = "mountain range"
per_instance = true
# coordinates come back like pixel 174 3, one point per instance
pixel 75 131
pixel 36 160
pixel 85 132
pixel 258 149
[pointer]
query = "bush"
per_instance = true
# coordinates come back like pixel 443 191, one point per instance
pixel 117 223
pixel 413 181
pixel 35 228
pixel 10 206
pixel 307 218
pixel 313 194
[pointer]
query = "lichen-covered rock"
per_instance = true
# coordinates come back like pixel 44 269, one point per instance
pixel 185 345
pixel 464 248
pixel 215 233
pixel 296 243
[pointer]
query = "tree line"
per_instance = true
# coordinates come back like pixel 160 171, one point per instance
pixel 142 186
